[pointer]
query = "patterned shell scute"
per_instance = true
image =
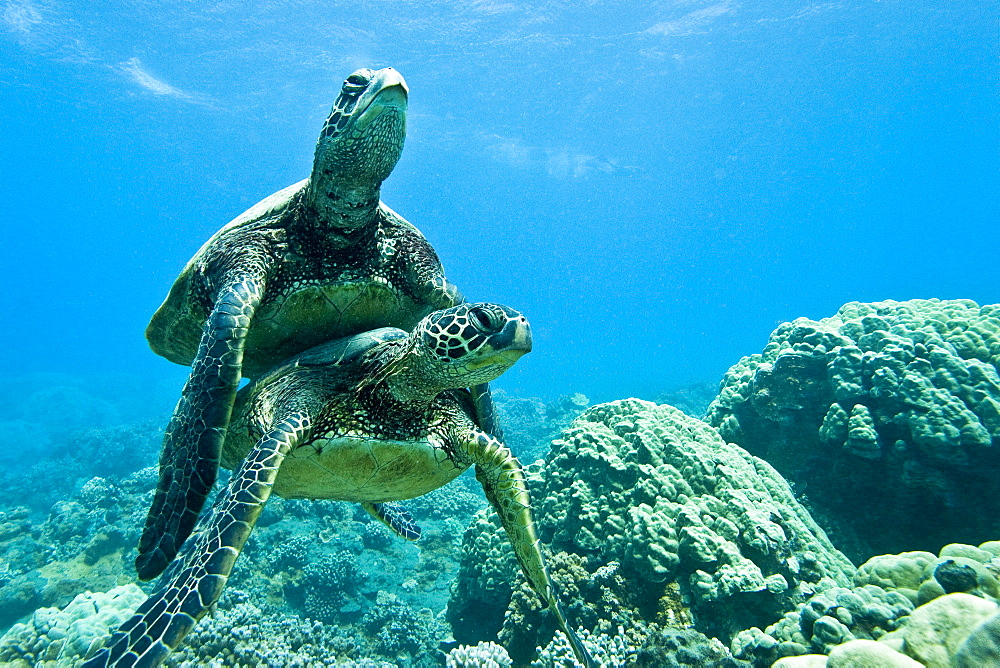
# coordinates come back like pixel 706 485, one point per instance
pixel 354 452
pixel 313 294
pixel 304 311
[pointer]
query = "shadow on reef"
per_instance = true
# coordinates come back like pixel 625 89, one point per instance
pixel 887 416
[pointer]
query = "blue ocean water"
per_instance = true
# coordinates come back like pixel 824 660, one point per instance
pixel 655 185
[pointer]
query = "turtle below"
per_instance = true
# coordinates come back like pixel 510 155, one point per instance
pixel 372 418
pixel 319 260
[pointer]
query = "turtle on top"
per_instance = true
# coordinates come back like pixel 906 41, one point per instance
pixel 321 259
pixel 372 418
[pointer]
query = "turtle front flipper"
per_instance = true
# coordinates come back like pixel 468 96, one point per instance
pixel 396 517
pixel 189 460
pixel 487 416
pixel 500 474
pixel 194 582
pixel 486 410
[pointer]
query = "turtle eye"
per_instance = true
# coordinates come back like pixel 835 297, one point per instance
pixel 360 78
pixel 484 319
pixel 357 82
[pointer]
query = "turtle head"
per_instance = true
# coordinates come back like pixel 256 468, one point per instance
pixel 473 343
pixel 458 347
pixel 360 144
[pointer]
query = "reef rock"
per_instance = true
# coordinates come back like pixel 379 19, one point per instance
pixel 651 519
pixel 869 653
pixel 887 415
pixel 982 646
pixel 935 631
pixel 831 618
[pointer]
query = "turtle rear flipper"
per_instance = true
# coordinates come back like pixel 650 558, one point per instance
pixel 396 517
pixel 189 460
pixel 194 582
pixel 500 474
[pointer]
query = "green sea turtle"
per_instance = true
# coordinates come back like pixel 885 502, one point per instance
pixel 372 418
pixel 319 260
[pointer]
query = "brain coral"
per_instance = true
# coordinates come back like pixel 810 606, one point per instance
pixel 887 415
pixel 686 520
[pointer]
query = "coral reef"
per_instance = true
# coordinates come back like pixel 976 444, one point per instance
pixel 85 543
pixel 921 576
pixel 668 547
pixel 935 631
pixel 693 399
pixel 400 632
pixel 829 618
pixel 63 637
pixel 330 585
pixel 689 526
pixel 982 646
pixel 601 602
pixel 237 634
pixel 530 425
pixel 72 458
pixel 653 647
pixel 889 603
pixel 676 648
pixel 242 635
pixel 482 591
pixel 887 415
pixel 324 560
pixel 308 565
pixel 460 499
pixel 617 649
pixel 482 655
pixel 956 630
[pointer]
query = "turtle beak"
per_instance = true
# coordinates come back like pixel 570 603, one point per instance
pixel 514 340
pixel 387 89
pixel 521 337
pixel 510 344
